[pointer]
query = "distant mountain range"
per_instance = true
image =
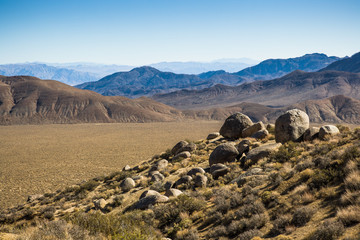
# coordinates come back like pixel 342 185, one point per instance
pixel 43 71
pixel 351 64
pixel 147 81
pixel 25 100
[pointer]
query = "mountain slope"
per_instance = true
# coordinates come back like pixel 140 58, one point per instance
pixel 275 68
pixel 290 89
pixel 144 81
pixel 351 64
pixel 26 99
pixel 43 71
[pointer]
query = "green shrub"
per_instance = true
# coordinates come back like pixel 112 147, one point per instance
pixel 285 153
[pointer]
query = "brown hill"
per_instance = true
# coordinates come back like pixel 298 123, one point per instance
pixel 26 99
pixel 293 88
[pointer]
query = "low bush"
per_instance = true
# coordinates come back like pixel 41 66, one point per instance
pixel 329 230
pixel 302 216
pixel 349 215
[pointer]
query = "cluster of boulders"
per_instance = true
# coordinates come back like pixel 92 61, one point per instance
pixel 293 125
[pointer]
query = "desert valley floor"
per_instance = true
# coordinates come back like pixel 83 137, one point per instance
pixel 41 158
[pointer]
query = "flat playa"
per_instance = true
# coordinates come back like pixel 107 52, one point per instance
pixel 43 158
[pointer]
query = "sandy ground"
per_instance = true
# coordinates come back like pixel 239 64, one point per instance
pixel 43 158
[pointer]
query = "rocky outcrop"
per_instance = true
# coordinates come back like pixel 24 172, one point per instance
pixel 234 125
pixel 291 126
pixel 328 130
pixel 225 152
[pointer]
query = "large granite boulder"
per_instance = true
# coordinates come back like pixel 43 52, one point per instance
pixel 249 131
pixel 218 170
pixel 234 125
pixel 173 192
pixel 311 134
pixel 291 126
pixel 328 130
pixel 195 171
pixel 223 153
pixel 265 150
pixel 149 200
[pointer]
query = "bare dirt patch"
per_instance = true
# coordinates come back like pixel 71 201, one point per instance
pixel 42 158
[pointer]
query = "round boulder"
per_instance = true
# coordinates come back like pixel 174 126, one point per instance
pixel 218 170
pixel 225 152
pixel 147 201
pixel 328 130
pixel 183 180
pixel 127 184
pixel 173 192
pixel 157 177
pixel 190 147
pixel 234 125
pixel 159 165
pixel 212 135
pixel 263 133
pixel 195 170
pixel 200 180
pixel 149 193
pixel 291 126
pixel 177 146
pixel 182 155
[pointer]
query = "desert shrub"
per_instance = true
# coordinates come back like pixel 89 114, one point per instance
pixel 304 164
pixel 217 232
pixel 350 198
pixel 237 227
pixel 187 234
pixel 270 199
pixel 323 149
pixel 351 153
pixel 88 186
pixel 352 181
pixel 324 177
pixel 349 215
pixel 248 235
pixel 302 216
pixel 329 230
pixel 131 225
pixel 168 214
pixel 281 224
pixel 275 179
pixel 285 152
pixel 48 212
pixel 28 214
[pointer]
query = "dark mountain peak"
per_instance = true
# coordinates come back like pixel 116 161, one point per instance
pixel 351 64
pixel 210 74
pixel 145 69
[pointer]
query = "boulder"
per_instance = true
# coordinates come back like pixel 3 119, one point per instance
pixel 249 131
pixel 150 200
pixel 149 193
pixel 212 135
pixel 100 203
pixel 311 134
pixel 234 125
pixel 159 165
pixel 173 192
pixel 195 170
pixel 225 152
pixel 157 177
pixel 152 173
pixel 127 168
pixel 218 170
pixel 183 180
pixel 32 198
pixel 248 173
pixel 182 155
pixel 177 146
pixel 190 147
pixel 291 126
pixel 263 133
pixel 243 146
pixel 265 150
pixel 127 184
pixel 270 126
pixel 200 180
pixel 328 130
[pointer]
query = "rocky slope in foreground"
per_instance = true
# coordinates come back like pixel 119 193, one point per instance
pixel 219 188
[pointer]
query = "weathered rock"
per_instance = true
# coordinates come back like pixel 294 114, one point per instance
pixel 190 147
pixel 157 177
pixel 127 168
pixel 212 135
pixel 147 201
pixel 234 125
pixel 249 131
pixel 151 173
pixel 168 185
pixel 225 152
pixel 138 178
pixel 291 126
pixel 149 193
pixel 260 134
pixel 218 170
pixel 200 180
pixel 159 165
pixel 127 184
pixel 263 151
pixel 173 192
pixel 250 172
pixel 195 170
pixel 181 155
pixel 100 203
pixel 243 146
pixel 183 180
pixel 32 198
pixel 311 133
pixel 328 130
pixel 177 146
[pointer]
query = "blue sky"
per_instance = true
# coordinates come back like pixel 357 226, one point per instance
pixel 139 32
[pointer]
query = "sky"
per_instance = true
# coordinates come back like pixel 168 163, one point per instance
pixel 140 32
